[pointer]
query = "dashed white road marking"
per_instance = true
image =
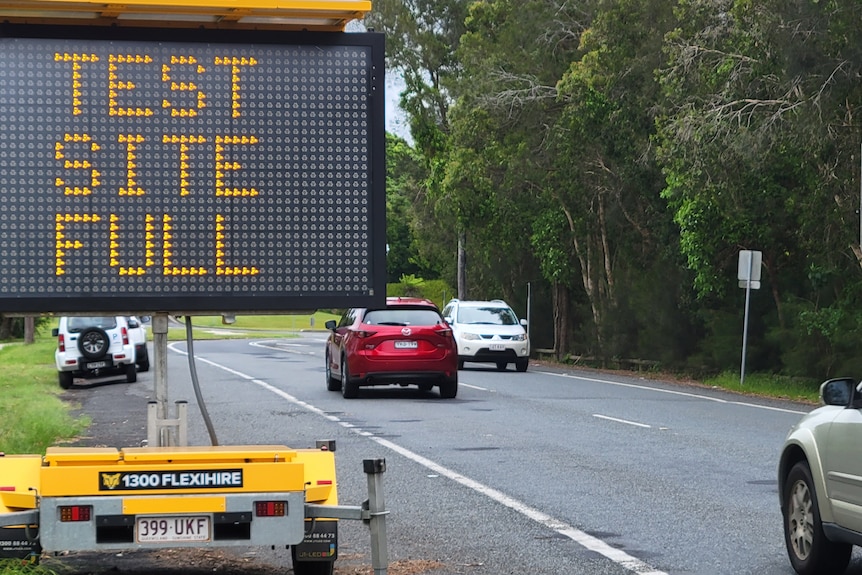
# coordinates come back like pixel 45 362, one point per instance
pixel 626 421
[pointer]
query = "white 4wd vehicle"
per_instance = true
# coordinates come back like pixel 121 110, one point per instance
pixel 489 332
pixel 94 347
pixel 820 482
pixel 138 335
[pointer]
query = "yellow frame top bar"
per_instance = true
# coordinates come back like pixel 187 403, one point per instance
pixel 315 15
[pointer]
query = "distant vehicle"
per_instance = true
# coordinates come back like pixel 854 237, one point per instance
pixel 407 342
pixel 138 335
pixel 820 482
pixel 489 332
pixel 90 347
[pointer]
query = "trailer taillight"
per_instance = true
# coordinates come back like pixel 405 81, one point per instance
pixel 75 513
pixel 270 508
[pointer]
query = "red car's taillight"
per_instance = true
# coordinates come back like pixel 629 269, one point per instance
pixel 61 343
pixel 446 332
pixel 363 333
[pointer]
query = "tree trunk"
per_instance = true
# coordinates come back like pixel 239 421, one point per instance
pixel 29 329
pixel 462 265
pixel 561 321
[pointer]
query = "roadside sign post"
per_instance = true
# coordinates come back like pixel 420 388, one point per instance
pixel 748 275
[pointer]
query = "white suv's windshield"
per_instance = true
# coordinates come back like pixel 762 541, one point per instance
pixel 486 316
pixel 78 323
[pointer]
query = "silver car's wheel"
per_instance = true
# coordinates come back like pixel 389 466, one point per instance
pixel 800 522
pixel 810 552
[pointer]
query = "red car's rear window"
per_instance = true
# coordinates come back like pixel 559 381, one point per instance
pixel 402 317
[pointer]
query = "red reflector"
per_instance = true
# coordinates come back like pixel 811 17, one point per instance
pixel 270 508
pixel 324 482
pixel 7 488
pixel 75 513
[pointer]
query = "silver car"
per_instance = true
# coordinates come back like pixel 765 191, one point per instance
pixel 820 482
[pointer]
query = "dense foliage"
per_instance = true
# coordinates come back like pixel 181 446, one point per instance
pixel 616 155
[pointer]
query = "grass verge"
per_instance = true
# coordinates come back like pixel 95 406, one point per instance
pixel 767 385
pixel 34 416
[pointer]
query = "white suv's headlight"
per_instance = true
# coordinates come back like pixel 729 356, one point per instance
pixel 470 336
pixel 519 337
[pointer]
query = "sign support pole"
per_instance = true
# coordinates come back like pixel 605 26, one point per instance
pixel 745 323
pixel 160 436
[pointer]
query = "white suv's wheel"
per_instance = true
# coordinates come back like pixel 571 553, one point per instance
pixel 66 379
pixel 93 343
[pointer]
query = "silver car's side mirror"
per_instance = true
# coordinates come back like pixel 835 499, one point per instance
pixel 838 391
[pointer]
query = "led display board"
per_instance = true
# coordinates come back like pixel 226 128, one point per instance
pixel 190 171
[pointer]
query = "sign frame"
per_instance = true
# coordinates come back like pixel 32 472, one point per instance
pixel 248 303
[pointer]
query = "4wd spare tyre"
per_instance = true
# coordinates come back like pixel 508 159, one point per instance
pixel 93 343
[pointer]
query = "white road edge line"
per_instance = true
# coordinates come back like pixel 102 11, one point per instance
pixel 672 392
pixel 626 421
pixel 586 540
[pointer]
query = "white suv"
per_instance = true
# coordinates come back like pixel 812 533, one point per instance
pixel 138 335
pixel 94 347
pixel 489 332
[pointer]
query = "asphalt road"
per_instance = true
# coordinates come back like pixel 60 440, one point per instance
pixel 549 472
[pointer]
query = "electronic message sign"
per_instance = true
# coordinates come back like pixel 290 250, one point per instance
pixel 190 171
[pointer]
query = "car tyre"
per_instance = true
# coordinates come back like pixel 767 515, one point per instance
pixel 810 552
pixel 144 360
pixel 522 365
pixel 349 387
pixel 332 383
pixel 66 379
pixel 460 364
pixel 501 365
pixel 311 567
pixel 449 388
pixel 93 343
pixel 131 373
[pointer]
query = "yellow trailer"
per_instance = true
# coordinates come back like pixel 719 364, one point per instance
pixel 106 499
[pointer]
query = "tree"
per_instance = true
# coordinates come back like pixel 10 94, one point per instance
pixel 759 149
pixel 422 38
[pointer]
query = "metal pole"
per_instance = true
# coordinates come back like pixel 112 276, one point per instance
pixel 529 304
pixel 160 377
pixel 374 469
pixel 745 320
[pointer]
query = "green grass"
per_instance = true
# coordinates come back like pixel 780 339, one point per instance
pixel 777 386
pixel 34 417
pixel 18 567
pixel 257 323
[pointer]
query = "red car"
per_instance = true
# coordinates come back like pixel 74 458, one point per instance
pixel 406 343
